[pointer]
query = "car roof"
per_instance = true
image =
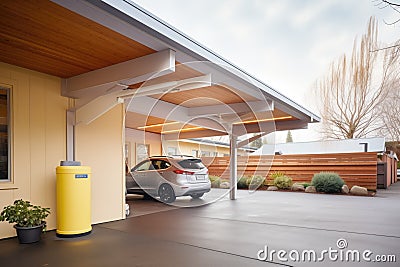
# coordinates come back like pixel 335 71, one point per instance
pixel 173 157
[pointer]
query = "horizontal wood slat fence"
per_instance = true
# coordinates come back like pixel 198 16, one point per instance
pixel 354 168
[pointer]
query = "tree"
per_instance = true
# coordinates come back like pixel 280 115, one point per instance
pixel 354 88
pixel 289 138
pixel 390 113
pixel 395 6
pixel 257 143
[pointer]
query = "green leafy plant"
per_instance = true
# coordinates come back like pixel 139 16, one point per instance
pixel 215 181
pixel 327 182
pixel 24 214
pixel 283 182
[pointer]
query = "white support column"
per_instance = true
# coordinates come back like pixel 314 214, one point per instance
pixel 233 166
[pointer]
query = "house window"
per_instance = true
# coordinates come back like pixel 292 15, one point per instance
pixel 4 134
pixel 205 153
pixel 172 151
pixel 142 152
pixel 195 153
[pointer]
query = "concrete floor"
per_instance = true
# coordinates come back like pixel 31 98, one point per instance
pixel 227 233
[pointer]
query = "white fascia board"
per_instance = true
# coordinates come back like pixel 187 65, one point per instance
pixel 247 107
pixel 121 74
pixel 167 87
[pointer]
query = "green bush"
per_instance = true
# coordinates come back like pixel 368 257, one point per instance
pixel 305 184
pixel 255 181
pixel 276 174
pixel 242 183
pixel 327 182
pixel 215 181
pixel 283 182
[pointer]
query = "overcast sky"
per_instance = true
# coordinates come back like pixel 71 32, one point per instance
pixel 288 44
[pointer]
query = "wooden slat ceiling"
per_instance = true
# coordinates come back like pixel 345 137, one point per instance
pixel 45 37
pixel 206 96
pixel 212 95
pixel 137 121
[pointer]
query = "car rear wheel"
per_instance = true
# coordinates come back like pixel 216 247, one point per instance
pixel 166 193
pixel 197 196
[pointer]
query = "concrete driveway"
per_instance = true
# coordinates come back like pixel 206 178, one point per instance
pixel 234 233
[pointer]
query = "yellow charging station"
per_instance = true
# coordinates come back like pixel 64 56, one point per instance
pixel 73 201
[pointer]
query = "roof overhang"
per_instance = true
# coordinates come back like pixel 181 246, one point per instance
pixel 113 51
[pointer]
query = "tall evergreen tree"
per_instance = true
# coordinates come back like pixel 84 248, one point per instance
pixel 289 138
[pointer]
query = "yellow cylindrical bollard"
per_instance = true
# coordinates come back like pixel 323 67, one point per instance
pixel 73 201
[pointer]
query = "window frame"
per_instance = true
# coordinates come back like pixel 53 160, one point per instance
pixel 5 183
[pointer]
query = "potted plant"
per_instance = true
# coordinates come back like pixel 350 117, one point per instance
pixel 28 219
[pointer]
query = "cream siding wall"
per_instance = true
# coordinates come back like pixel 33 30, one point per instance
pixel 39 144
pixel 38 132
pixel 100 146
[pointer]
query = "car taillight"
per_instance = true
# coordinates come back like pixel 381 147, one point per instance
pixel 183 172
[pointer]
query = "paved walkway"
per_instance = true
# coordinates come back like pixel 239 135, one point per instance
pixel 231 233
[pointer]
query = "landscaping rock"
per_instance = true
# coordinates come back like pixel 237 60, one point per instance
pixel 359 191
pixel 345 189
pixel 225 185
pixel 297 187
pixel 311 189
pixel 272 188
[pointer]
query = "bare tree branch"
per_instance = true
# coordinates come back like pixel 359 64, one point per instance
pixel 353 91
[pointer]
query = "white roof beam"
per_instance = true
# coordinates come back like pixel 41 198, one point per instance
pixel 192 134
pixel 238 108
pixel 121 75
pixel 95 108
pixel 268 127
pixel 170 87
pixel 249 140
pixel 161 109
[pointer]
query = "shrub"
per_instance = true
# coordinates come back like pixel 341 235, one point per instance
pixel 215 181
pixel 328 182
pixel 255 181
pixel 305 184
pixel 242 183
pixel 283 182
pixel 276 174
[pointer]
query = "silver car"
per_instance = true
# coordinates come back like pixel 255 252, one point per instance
pixel 169 177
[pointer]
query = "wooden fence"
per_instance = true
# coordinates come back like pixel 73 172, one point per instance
pixel 354 168
pixel 387 171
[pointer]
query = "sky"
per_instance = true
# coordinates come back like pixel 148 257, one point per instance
pixel 288 44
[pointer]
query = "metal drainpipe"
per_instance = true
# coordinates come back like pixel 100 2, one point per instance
pixel 70 135
pixel 233 166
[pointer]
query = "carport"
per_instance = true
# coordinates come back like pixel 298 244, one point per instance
pixel 114 53
pixel 182 89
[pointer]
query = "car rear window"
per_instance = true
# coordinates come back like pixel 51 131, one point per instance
pixel 191 164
